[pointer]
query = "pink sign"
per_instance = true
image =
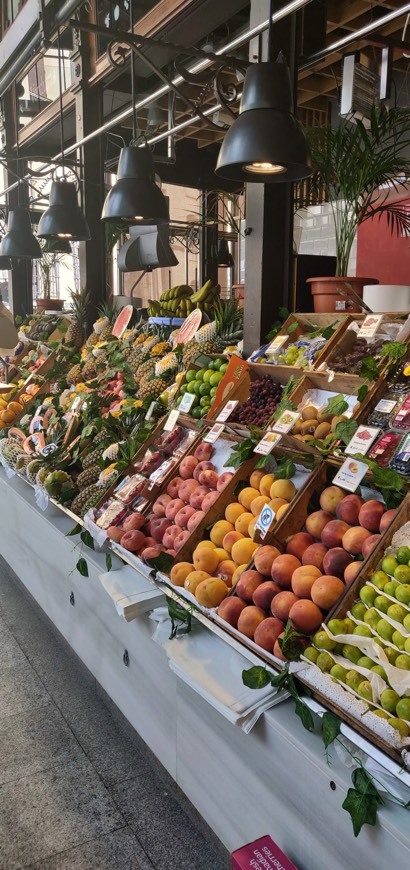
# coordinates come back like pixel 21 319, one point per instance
pixel 262 854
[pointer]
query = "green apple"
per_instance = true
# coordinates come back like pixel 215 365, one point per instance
pixel 311 653
pixel 406 622
pixel 322 640
pixel 391 654
pixel 400 726
pixel 337 626
pixel 397 612
pixel 402 593
pixel 365 690
pixel 403 708
pixel 324 661
pixel 390 588
pixel 338 672
pixel 388 700
pixel 371 617
pixel 381 713
pixel 362 631
pixel 407 645
pixel 358 610
pixel 389 566
pixel 352 653
pixel 382 603
pixel 403 662
pixel 403 555
pixel 384 629
pixel 365 662
pixel 367 595
pixel 353 680
pixel 398 640
pixel 380 578
pixel 377 669
pixel 402 573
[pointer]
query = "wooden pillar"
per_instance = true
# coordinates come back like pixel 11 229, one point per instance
pixel 209 238
pixel 269 210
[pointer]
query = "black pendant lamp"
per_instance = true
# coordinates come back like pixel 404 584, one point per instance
pixel 224 258
pixel 57 246
pixel 5 264
pixel 63 220
pixel 19 240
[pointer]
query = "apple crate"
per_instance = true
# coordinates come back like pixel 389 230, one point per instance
pixel 245 373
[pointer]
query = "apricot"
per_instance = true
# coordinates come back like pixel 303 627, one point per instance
pixel 219 530
pixel 247 495
pixel 205 560
pixel 242 523
pixel 256 478
pixel 237 573
pixel 230 539
pixel 193 579
pixel 233 511
pixel 276 503
pixel 314 555
pixel 222 554
pixel 316 522
pixel 348 509
pixel 258 503
pixel 277 652
pixel 249 620
pixel 205 545
pixel 370 544
pixel 114 533
pixel 179 572
pixel 305 616
pixel 187 466
pixel 298 543
pixel 354 539
pixel 303 579
pixel 332 534
pixel 243 550
pixel 264 593
pixel 283 489
pixel 351 571
pixel 230 610
pixel 336 562
pixel 247 584
pixel 283 508
pixel 386 520
pixel 211 592
pixel 330 498
pixel 226 570
pixel 281 605
pixel 265 484
pixel 267 633
pixel 370 515
pixel 264 557
pixel 283 568
pixel 251 528
pixel 326 591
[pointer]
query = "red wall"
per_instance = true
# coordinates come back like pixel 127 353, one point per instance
pixel 381 254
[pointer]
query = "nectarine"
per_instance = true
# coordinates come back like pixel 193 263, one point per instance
pixel 298 543
pixel 370 515
pixel 330 498
pixel 348 509
pixel 332 534
pixel 264 593
pixel 249 620
pixel 354 539
pixel 247 584
pixel 230 610
pixel 316 522
pixel 303 579
pixel 267 633
pixel 305 616
pixel 314 555
pixel 281 605
pixel 336 562
pixel 326 591
pixel 282 569
pixel 263 558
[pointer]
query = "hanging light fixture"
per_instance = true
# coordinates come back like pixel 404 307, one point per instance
pixel 224 258
pixel 265 143
pixel 135 198
pixel 63 219
pixel 19 240
pixel 57 246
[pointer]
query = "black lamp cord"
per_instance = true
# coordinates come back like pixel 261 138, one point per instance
pixel 270 29
pixel 60 89
pixel 134 113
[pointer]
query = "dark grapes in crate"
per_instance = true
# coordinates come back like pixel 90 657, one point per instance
pixel 351 361
pixel 264 398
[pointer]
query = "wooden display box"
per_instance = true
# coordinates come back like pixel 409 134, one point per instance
pixel 347 339
pixel 236 386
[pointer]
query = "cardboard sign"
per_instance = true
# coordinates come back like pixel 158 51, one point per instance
pixel 171 420
pixel 265 521
pixel 267 443
pixel 286 422
pixel 370 325
pixel 227 411
pixel 186 402
pixel 262 854
pixel 276 344
pixel 214 433
pixel 362 440
pixel 350 475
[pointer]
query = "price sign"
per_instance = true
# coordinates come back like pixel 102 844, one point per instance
pixel 276 344
pixel 350 475
pixel 386 406
pixel 362 440
pixel 286 422
pixel 267 443
pixel 265 521
pixel 227 411
pixel 214 433
pixel 150 412
pixel 186 402
pixel 370 325
pixel 171 420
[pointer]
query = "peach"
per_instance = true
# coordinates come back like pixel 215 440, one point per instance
pixel 203 451
pixel 314 555
pixel 179 572
pixel 247 495
pixel 233 511
pixel 305 616
pixel 316 522
pixel 247 583
pixel 158 508
pixel 170 536
pixel 386 520
pixel 181 539
pixel 258 503
pixel 205 560
pixel 280 511
pixel 330 498
pixel 348 509
pixel 277 652
pixel 114 533
pixel 283 489
pixel 194 520
pixel 370 515
pixel 151 552
pixel 205 545
pixel 230 539
pixel 203 466
pixel 208 478
pixel 283 568
pixel 264 557
pixel 256 478
pixel 252 527
pixel 226 570
pixel 243 550
pixel 151 542
pixel 173 507
pixel 351 571
pixel 187 488
pixel 230 610
pixel 267 633
pixel 298 543
pixel 242 523
pixel 237 573
pixel 211 592
pixel 354 539
pixel 276 503
pixel 336 562
pixel 209 500
pixel 249 619
pixel 134 522
pixel 264 593
pixel 281 605
pixel 265 484
pixel 219 530
pixel 133 540
pixel 193 579
pixel 182 517
pixel 370 544
pixel 187 466
pixel 222 554
pixel 223 480
pixel 197 497
pixel 158 528
pixel 173 486
pixel 326 591
pixel 333 532
pixel 303 579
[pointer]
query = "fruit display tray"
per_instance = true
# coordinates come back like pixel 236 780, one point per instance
pixel 246 373
pixel 346 341
pixel 299 326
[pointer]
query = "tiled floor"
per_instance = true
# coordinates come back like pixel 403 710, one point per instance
pixel 79 790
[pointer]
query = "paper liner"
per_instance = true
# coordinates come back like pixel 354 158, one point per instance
pixel 399 680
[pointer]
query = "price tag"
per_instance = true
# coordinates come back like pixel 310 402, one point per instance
pixel 227 411
pixel 214 433
pixel 267 443
pixel 286 422
pixel 370 325
pixel 160 472
pixel 350 474
pixel 276 344
pixel 48 449
pixel 265 520
pixel 186 402
pixel 386 406
pixel 150 412
pixel 171 420
pixel 362 440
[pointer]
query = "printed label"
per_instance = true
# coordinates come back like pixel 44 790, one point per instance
pixel 350 474
pixel 267 443
pixel 149 414
pixel 265 520
pixel 362 440
pixel 186 402
pixel 386 406
pixel 171 420
pixel 227 411
pixel 370 325
pixel 286 422
pixel 276 344
pixel 214 433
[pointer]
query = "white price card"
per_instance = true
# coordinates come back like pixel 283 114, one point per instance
pixel 370 325
pixel 386 406
pixel 227 411
pixel 267 443
pixel 276 344
pixel 150 412
pixel 186 402
pixel 350 474
pixel 286 422
pixel 362 440
pixel 214 433
pixel 266 518
pixel 171 420
pixel 160 472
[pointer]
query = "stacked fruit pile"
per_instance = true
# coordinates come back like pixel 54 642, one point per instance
pixel 301 353
pixel 203 384
pixel 351 361
pixel 264 398
pixel 315 424
pixel 166 446
pixel 179 301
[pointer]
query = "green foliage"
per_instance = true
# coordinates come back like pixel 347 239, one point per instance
pixel 108 561
pixel 362 801
pixel 394 350
pixel 362 392
pixel 163 562
pixel 181 618
pixel 330 728
pixel 337 405
pixel 82 567
pixel 87 539
pixel 285 470
pixel 291 644
pixel 74 531
pixel 369 369
pixel 345 430
pixel 243 451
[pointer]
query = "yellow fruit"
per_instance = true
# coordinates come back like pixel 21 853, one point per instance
pixel 266 483
pixel 258 503
pixel 205 560
pixel 222 554
pixel 15 407
pixel 276 503
pixel 243 550
pixel 7 416
pixel 219 530
pixel 247 495
pixel 251 527
pixel 236 574
pixel 281 511
pixel 211 592
pixel 194 579
pixel 233 511
pixel 256 478
pixel 242 523
pixel 283 489
pixel 179 572
pixel 206 545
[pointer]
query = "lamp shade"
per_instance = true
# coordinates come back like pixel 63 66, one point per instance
pixel 147 249
pixel 224 258
pixel 63 219
pixel 265 143
pixel 135 198
pixel 5 264
pixel 57 246
pixel 19 240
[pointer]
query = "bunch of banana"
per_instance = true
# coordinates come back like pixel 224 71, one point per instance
pixel 181 291
pixel 206 296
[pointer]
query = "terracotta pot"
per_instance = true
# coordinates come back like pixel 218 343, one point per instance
pixel 326 296
pixel 49 304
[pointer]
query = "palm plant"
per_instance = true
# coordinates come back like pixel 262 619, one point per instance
pixel 357 167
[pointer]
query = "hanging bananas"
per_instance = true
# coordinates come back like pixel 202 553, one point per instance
pixel 180 300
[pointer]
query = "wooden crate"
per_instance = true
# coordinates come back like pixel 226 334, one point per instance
pixel 236 386
pixel 347 339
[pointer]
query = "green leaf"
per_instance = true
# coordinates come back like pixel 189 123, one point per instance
pixel 337 405
pixel 87 539
pixel 304 714
pixel 387 478
pixel 74 531
pixel 263 461
pixel 163 562
pixel 393 350
pixel 362 392
pixel 361 808
pixel 179 614
pixel 292 327
pixel 291 644
pixel 328 331
pixel 345 430
pixel 243 452
pixel 285 404
pixel 256 677
pixel 283 313
pixel 364 784
pixel 280 681
pixel 285 470
pixel 369 369
pixel 82 567
pixel 330 728
pixel 108 561
pixel 87 431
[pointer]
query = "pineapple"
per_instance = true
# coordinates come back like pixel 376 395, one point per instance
pixel 93 457
pixel 229 322
pixel 146 368
pixel 11 451
pixel 86 499
pixel 90 370
pixel 32 470
pixel 92 339
pixel 88 476
pixel 152 388
pixel 206 333
pixel 160 348
pixel 75 375
pixel 80 302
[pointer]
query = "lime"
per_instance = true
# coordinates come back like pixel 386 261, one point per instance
pixel 380 578
pixel 204 402
pixel 207 376
pixel 365 690
pixel 403 555
pixel 402 574
pixel 205 389
pixel 311 653
pixel 183 389
pixel 200 376
pixel 197 387
pixel 322 640
pixel 406 622
pixel 215 378
pixel 389 565
pixel 381 713
pixel 211 365
pixel 196 412
pixel 377 669
pixel 190 375
pixel 191 388
pixel 217 366
pixel 204 411
pixel 223 368
pixel 402 593
pixel 403 708
pixel 213 391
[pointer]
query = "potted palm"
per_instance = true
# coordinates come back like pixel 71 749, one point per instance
pixel 358 168
pixel 46 266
